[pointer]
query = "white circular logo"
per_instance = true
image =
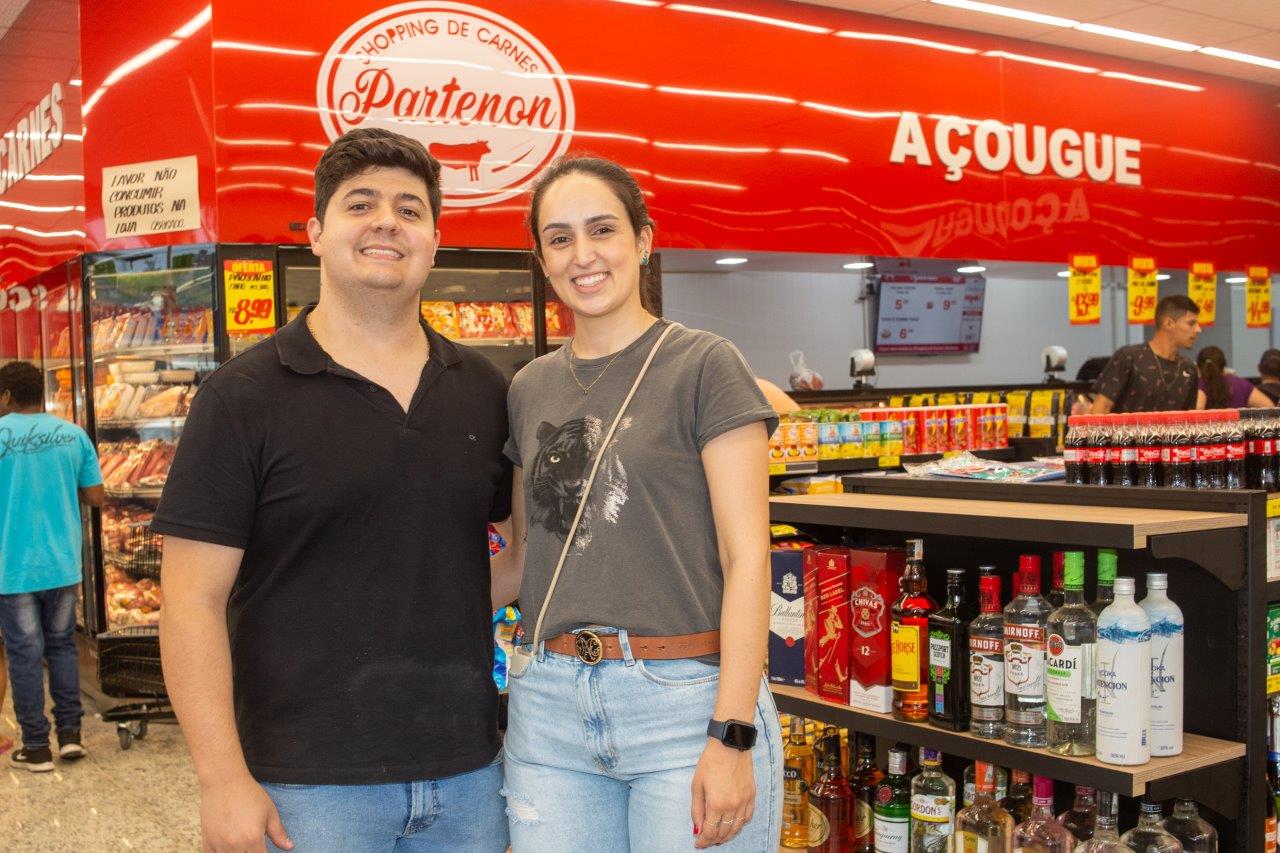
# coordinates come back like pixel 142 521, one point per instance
pixel 485 97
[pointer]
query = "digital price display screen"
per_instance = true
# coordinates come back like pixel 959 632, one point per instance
pixel 923 312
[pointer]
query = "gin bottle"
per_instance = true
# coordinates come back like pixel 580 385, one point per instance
pixel 984 826
pixel 1194 832
pixel 865 779
pixel 893 805
pixel 1149 836
pixel 1166 666
pixel 1069 671
pixel 986 659
pixel 1041 832
pixel 1024 659
pixel 797 776
pixel 909 630
pixel 1123 681
pixel 1081 819
pixel 949 658
pixel 933 806
pixel 1106 838
pixel 1105 590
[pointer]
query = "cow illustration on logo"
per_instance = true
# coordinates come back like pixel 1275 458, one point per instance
pixel 485 97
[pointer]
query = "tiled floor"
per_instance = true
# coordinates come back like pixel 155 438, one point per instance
pixel 145 798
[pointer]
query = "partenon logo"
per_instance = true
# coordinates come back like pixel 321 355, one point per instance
pixel 488 100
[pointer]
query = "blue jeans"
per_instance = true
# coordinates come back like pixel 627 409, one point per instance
pixel 600 759
pixel 458 814
pixel 36 626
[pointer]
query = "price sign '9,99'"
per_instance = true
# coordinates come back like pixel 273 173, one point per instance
pixel 249 288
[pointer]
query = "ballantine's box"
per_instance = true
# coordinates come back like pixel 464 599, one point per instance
pixel 827 639
pixel 786 618
pixel 875 574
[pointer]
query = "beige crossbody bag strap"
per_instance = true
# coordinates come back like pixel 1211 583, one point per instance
pixel 520 660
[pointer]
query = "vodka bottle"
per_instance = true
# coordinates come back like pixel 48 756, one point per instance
pixel 986 659
pixel 1069 672
pixel 1149 836
pixel 984 826
pixel 1194 833
pixel 1082 818
pixel 1024 658
pixel 1105 837
pixel 1166 666
pixel 1124 680
pixel 1041 832
pixel 933 806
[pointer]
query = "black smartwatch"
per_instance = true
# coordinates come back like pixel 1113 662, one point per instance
pixel 734 734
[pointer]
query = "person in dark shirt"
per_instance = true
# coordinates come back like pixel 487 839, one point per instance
pixel 1269 375
pixel 1153 377
pixel 326 637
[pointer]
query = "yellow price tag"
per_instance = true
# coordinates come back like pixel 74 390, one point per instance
pixel 777 468
pixel 948 454
pixel 1273 684
pixel 249 290
pixel 1273 507
pixel 890 461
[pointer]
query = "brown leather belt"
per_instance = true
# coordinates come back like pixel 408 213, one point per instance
pixel 591 647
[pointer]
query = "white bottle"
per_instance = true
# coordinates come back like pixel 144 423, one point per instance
pixel 1166 666
pixel 1123 682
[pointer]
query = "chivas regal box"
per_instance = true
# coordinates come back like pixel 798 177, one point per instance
pixel 786 618
pixel 874 576
pixel 827 639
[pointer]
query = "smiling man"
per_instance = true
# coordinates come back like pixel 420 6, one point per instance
pixel 326 634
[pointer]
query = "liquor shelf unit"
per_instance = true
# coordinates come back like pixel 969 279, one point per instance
pixel 1211 544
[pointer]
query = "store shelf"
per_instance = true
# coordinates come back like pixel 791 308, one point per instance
pixel 503 342
pixel 140 493
pixel 144 423
pixel 52 364
pixel 854 466
pixel 153 352
pixel 1084 525
pixel 1199 753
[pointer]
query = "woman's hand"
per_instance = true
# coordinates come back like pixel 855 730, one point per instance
pixel 724 794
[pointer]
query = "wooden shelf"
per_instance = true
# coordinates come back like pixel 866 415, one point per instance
pixel 1199 753
pixel 853 466
pixel 1088 526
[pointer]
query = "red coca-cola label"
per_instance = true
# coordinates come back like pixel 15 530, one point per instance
pixel 1181 455
pixel 1213 452
pixel 1150 455
pixel 1115 455
pixel 1096 455
pixel 1235 451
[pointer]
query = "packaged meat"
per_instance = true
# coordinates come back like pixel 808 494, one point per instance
pixel 166 404
pixel 174 376
pixel 442 316
pixel 485 320
pixel 132 366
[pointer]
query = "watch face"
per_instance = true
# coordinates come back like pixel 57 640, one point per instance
pixel 739 735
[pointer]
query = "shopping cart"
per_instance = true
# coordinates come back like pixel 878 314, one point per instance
pixel 129 667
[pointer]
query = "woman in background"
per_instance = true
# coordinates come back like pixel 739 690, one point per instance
pixel 1222 390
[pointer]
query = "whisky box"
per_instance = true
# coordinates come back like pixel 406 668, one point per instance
pixel 1273 649
pixel 830 635
pixel 786 618
pixel 809 583
pixel 874 577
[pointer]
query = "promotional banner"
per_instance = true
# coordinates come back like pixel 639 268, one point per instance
pixel 1143 291
pixel 1084 290
pixel 1257 298
pixel 249 290
pixel 1202 287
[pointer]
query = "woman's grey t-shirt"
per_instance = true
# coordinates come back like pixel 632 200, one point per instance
pixel 645 555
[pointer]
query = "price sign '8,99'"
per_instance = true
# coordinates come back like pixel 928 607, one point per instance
pixel 249 291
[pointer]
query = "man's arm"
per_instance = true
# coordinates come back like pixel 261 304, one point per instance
pixel 94 496
pixel 507 567
pixel 235 812
pixel 1102 405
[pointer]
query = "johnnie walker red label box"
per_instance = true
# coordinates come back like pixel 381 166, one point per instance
pixel 874 577
pixel 786 618
pixel 827 640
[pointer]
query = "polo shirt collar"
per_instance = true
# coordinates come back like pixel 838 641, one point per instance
pixel 300 352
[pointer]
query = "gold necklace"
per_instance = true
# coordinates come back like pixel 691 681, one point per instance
pixel 574 373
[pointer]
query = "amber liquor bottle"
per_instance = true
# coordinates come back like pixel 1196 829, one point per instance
pixel 909 636
pixel 865 778
pixel 832 799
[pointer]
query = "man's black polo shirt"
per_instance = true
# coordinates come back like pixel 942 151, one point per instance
pixel 360 622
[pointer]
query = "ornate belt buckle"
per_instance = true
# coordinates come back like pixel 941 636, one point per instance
pixel 589 648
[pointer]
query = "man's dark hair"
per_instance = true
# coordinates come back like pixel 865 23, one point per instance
pixel 24 383
pixel 1174 307
pixel 1269 364
pixel 357 151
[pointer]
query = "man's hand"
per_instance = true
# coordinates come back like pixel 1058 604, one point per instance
pixel 724 794
pixel 236 815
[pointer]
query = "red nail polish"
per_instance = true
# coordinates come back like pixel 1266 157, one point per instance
pixel 696 830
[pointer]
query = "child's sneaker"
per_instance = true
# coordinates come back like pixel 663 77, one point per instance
pixel 35 760
pixel 69 748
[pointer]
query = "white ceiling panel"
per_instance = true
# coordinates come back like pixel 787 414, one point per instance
pixel 873 7
pixel 1089 42
pixel 948 16
pixel 1259 13
pixel 1178 24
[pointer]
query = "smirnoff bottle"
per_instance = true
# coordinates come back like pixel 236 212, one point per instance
pixel 1124 680
pixel 986 659
pixel 984 827
pixel 949 657
pixel 1041 832
pixel 1069 672
pixel 909 630
pixel 1166 666
pixel 1024 659
pixel 933 806
pixel 1106 837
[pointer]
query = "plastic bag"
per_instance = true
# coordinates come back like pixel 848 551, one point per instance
pixel 802 377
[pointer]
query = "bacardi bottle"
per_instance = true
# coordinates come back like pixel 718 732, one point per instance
pixel 1194 832
pixel 1124 680
pixel 1149 836
pixel 948 657
pixel 933 806
pixel 1166 666
pixel 865 779
pixel 1042 832
pixel 892 810
pixel 1025 620
pixel 1106 837
pixel 1104 592
pixel 984 827
pixel 1082 818
pixel 797 775
pixel 1019 802
pixel 986 659
pixel 832 801
pixel 1069 672
pixel 908 632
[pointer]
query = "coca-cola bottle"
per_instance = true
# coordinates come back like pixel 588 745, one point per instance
pixel 1178 453
pixel 1123 453
pixel 1149 446
pixel 1100 451
pixel 1269 432
pixel 1204 465
pixel 1234 450
pixel 1073 450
